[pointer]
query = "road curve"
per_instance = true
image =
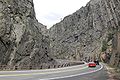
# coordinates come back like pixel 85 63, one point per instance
pixel 67 73
pixel 101 74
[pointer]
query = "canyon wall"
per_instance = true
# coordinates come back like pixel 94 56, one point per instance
pixel 22 41
pixel 85 34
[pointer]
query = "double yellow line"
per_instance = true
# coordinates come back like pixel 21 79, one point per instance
pixel 40 73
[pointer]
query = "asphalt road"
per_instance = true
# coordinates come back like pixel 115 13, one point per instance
pixel 99 75
pixel 80 72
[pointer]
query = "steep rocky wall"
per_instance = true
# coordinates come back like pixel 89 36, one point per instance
pixel 115 58
pixel 80 35
pixel 113 42
pixel 22 42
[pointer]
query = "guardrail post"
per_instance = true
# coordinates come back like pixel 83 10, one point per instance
pixel 15 67
pixel 41 67
pixel 30 67
pixel 58 66
pixel 48 66
pixel 53 66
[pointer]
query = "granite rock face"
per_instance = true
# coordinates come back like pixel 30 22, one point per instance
pixel 22 41
pixel 80 35
pixel 115 57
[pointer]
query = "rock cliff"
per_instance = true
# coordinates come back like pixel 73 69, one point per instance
pixel 91 32
pixel 115 56
pixel 22 41
pixel 83 34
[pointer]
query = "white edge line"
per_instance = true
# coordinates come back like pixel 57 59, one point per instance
pixel 76 74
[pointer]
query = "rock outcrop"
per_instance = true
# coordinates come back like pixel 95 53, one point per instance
pixel 115 56
pixel 81 35
pixel 22 42
pixel 114 59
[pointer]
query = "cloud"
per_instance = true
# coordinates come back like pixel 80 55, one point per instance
pixel 50 12
pixel 50 19
pixel 52 16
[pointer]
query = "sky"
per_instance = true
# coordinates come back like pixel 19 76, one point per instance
pixel 49 12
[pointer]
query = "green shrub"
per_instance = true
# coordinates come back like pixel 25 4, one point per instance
pixel 104 45
pixel 110 36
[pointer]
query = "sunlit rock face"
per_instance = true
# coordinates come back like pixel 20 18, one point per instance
pixel 80 35
pixel 115 57
pixel 22 41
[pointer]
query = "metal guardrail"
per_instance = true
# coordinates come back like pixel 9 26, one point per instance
pixel 43 66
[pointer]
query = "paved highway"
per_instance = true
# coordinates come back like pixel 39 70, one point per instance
pixel 79 72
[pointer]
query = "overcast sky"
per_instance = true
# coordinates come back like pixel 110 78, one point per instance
pixel 49 12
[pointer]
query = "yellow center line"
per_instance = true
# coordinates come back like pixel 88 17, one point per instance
pixel 29 74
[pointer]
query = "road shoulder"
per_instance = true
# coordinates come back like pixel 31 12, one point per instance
pixel 114 74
